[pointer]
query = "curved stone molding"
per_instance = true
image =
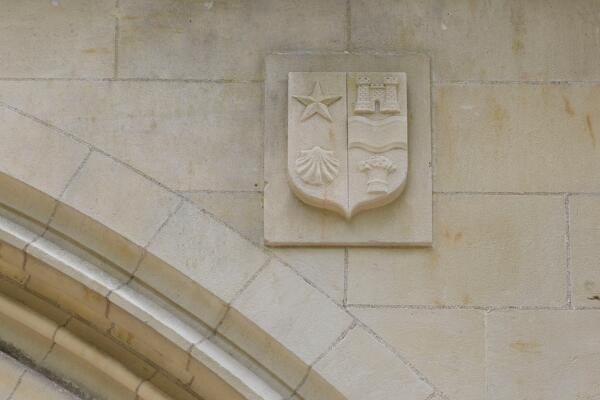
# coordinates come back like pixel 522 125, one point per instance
pixel 60 336
pixel 155 316
pixel 169 288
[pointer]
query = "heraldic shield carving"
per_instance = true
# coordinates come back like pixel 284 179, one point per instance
pixel 347 139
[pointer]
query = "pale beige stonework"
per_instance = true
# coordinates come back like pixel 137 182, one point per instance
pixel 550 355
pixel 186 242
pixel 105 190
pixel 295 309
pixel 585 252
pixel 446 345
pixel 173 101
pixel 188 39
pixel 10 372
pixel 359 346
pixel 474 40
pixel 23 138
pixel 170 120
pixel 517 138
pixel 57 39
pixel 288 221
pixel 488 250
pixel 241 210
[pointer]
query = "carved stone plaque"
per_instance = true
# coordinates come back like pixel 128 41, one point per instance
pixel 347 139
pixel 347 150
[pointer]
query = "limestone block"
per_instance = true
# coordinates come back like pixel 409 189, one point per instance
pixel 514 40
pixel 488 250
pixel 187 135
pixel 71 367
pixel 288 220
pixel 323 267
pixel 259 345
pixel 35 386
pixel 550 355
pixel 241 210
pixel 221 39
pixel 181 289
pixel 585 254
pixel 207 252
pixel 72 296
pixel 11 263
pixel 61 39
pixel 18 294
pixel 285 307
pixel 383 375
pixel 167 385
pixel 517 138
pixel 24 206
pixel 134 334
pixel 18 335
pixel 10 371
pixel 447 346
pixel 96 242
pixel 120 198
pixel 36 154
pixel 109 347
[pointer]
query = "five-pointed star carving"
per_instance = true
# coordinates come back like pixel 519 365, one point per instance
pixel 316 103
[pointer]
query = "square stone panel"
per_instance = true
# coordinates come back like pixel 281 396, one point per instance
pixel 405 222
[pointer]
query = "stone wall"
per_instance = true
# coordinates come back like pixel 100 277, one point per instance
pixel 505 305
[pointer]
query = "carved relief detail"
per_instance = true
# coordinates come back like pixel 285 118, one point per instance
pixel 317 166
pixel 370 95
pixel 347 153
pixel 377 169
pixel 316 103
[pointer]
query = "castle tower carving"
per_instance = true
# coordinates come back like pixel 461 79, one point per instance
pixel 377 97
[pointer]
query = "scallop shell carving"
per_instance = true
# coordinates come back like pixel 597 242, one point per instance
pixel 317 166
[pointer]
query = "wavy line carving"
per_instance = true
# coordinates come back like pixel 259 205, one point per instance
pixel 377 149
pixel 380 122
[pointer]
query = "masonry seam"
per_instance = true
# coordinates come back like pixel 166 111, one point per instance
pixel 401 357
pixel 333 344
pixel 569 250
pixel 116 41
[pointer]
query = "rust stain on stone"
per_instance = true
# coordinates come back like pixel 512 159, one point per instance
pixel 525 347
pixel 590 129
pixel 467 300
pixel 517 20
pixel 568 108
pixel 97 50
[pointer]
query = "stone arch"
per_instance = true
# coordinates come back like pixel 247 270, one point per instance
pixel 145 255
pixel 91 288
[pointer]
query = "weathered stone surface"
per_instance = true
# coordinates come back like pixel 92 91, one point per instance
pixel 286 307
pixel 116 196
pixel 35 154
pixel 60 39
pixel 221 39
pixel 288 221
pixel 448 346
pixel 35 386
pixel 488 250
pixel 187 135
pixel 551 355
pixel 499 40
pixel 10 371
pixel 241 210
pixel 207 252
pixel 585 253
pixel 517 138
pixel 323 267
pixel 396 380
